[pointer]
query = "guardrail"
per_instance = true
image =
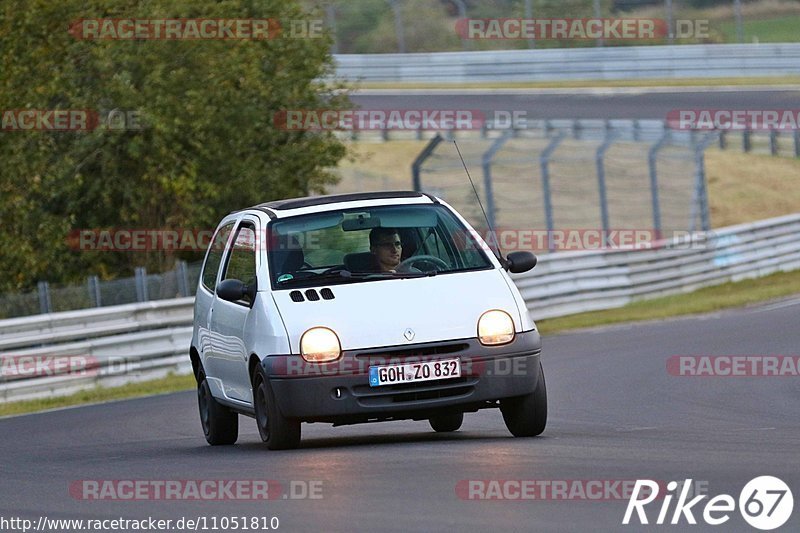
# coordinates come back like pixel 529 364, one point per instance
pixel 564 283
pixel 622 62
pixel 142 341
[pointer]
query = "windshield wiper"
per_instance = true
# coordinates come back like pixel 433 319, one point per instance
pixel 346 275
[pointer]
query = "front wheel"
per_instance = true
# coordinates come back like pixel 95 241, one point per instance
pixel 446 423
pixel 220 424
pixel 526 416
pixel 277 431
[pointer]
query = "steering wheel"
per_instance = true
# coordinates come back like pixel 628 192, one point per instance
pixel 430 259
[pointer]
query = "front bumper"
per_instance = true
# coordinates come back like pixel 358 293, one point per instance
pixel 340 393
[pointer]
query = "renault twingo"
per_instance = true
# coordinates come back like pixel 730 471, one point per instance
pixel 360 308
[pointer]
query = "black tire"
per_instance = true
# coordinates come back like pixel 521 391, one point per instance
pixel 220 424
pixel 526 416
pixel 277 431
pixel 446 423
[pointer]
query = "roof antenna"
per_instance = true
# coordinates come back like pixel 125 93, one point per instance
pixel 493 238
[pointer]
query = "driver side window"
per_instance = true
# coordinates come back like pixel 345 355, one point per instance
pixel 242 258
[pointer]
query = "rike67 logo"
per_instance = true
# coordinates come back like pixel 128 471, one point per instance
pixel 765 503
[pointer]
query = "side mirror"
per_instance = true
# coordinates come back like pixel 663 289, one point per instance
pixel 518 262
pixel 233 290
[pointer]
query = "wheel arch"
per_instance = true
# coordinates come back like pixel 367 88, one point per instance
pixel 197 365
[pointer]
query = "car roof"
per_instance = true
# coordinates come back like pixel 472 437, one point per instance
pixel 275 207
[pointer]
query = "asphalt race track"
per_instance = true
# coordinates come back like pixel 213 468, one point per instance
pixel 633 103
pixel 615 414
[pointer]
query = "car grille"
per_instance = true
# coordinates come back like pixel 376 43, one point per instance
pixel 399 354
pixel 426 391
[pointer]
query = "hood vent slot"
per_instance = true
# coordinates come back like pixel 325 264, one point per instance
pixel 312 295
pixel 327 294
pixel 296 296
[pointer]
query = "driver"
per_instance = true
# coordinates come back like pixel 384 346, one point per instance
pixel 385 245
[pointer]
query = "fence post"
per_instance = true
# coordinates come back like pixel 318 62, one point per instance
pixel 544 163
pixel 773 142
pixel 796 135
pixel 601 177
pixel 652 159
pixel 141 284
pixel 416 166
pixel 182 274
pixel 700 203
pixel 746 143
pixel 723 139
pixel 93 285
pixel 486 163
pixel 45 305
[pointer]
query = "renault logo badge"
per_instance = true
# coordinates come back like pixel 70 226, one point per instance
pixel 409 334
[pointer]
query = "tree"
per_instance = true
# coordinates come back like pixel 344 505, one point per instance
pixel 208 143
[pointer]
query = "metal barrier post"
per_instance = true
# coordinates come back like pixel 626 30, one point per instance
pixel 700 203
pixel 544 163
pixel 486 163
pixel 746 143
pixel 141 284
pixel 601 177
pixel 93 285
pixel 652 158
pixel 796 143
pixel 773 142
pixel 416 166
pixel 45 305
pixel 182 274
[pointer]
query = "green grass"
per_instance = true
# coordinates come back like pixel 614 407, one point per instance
pixel 170 383
pixel 728 295
pixel 773 30
pixel 577 84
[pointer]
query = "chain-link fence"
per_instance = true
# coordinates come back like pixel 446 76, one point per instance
pixel 376 26
pixel 179 282
pixel 575 175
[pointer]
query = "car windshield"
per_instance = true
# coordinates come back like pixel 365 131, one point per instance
pixel 371 243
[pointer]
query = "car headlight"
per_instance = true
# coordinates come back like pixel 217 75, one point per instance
pixel 320 345
pixel 495 327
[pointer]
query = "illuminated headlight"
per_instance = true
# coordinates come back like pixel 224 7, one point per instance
pixel 495 327
pixel 320 345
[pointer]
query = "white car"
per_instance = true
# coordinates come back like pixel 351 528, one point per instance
pixel 360 308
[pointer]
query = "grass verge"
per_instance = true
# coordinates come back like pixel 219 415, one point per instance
pixel 725 296
pixel 170 383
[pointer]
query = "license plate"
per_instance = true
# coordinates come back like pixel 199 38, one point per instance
pixel 414 372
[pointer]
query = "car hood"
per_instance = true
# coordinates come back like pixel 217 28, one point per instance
pixel 374 314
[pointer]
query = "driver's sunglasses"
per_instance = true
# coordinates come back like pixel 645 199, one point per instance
pixel 395 244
